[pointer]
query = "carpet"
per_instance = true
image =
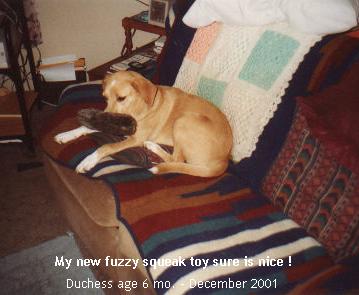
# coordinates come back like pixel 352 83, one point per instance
pixel 29 212
pixel 33 270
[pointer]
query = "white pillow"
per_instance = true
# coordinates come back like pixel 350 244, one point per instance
pixel 311 16
pixel 320 16
pixel 233 12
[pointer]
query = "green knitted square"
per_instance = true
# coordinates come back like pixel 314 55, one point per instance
pixel 212 90
pixel 268 59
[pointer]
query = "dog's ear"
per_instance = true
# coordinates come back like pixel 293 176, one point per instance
pixel 145 89
pixel 105 81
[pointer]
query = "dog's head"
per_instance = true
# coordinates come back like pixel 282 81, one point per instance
pixel 128 93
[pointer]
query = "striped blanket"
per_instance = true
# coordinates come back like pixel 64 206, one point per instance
pixel 196 235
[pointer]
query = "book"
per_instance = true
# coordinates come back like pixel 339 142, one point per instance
pixel 125 64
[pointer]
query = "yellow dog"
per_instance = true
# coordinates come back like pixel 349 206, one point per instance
pixel 198 131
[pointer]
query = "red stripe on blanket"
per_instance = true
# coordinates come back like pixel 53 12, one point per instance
pixel 136 189
pixel 177 218
pixel 257 212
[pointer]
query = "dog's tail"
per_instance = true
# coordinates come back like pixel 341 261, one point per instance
pixel 212 170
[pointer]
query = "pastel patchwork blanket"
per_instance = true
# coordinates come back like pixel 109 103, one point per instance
pixel 244 71
pixel 196 235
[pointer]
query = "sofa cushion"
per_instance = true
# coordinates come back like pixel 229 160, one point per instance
pixel 332 117
pixel 307 183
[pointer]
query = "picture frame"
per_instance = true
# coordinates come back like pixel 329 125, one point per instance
pixel 158 12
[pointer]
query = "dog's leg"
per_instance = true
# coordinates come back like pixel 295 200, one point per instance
pixel 67 136
pixel 174 163
pixel 210 170
pixel 106 150
pixel 196 149
pixel 157 149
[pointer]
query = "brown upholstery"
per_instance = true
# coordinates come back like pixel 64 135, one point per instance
pixel 91 216
pixel 95 197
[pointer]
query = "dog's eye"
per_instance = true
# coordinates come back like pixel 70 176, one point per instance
pixel 121 98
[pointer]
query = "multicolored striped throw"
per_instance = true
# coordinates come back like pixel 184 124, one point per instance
pixel 216 229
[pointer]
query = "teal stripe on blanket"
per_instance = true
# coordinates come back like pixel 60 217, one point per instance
pixel 128 176
pixel 276 216
pixel 188 230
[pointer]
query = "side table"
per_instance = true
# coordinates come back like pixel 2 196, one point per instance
pixel 133 23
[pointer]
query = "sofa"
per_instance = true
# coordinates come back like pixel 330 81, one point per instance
pixel 283 219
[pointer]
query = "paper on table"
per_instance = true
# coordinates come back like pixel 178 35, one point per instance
pixel 62 72
pixel 58 59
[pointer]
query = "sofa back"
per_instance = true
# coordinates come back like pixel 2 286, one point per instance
pixel 314 178
pixel 324 65
pixel 268 169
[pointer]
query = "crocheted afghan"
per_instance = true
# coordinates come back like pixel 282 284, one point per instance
pixel 244 71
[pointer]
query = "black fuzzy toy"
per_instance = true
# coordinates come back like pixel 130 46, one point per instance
pixel 108 123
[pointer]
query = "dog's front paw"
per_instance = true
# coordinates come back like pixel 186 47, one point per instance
pixel 65 137
pixel 89 162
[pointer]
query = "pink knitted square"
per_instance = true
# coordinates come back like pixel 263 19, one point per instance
pixel 202 41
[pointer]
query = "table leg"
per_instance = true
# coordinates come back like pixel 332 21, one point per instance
pixel 128 46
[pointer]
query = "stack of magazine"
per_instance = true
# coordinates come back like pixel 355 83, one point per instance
pixel 143 62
